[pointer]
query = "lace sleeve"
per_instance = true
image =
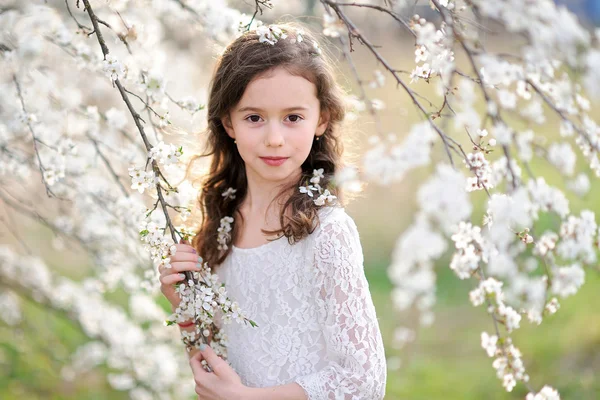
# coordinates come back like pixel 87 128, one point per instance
pixel 355 352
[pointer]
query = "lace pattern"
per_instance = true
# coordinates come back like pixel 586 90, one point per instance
pixel 317 325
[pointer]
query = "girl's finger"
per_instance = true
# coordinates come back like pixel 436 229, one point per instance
pixel 199 372
pixel 182 266
pixel 171 279
pixel 185 248
pixel 218 365
pixel 183 256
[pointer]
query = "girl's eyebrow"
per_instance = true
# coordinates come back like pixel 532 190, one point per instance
pixel 248 108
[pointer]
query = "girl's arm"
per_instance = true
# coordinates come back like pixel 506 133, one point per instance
pixel 354 347
pixel 290 391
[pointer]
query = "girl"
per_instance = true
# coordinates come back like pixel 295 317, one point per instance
pixel 294 261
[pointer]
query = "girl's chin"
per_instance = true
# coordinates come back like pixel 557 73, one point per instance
pixel 279 174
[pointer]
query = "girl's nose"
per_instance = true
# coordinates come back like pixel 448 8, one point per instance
pixel 274 136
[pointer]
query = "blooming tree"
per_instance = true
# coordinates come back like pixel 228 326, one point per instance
pixel 88 94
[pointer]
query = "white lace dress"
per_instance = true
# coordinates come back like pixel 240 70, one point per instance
pixel 317 325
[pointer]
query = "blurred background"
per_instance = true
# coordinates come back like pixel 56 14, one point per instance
pixel 444 361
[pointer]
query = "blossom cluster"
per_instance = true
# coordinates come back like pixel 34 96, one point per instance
pixel 433 50
pixel 201 299
pixel 165 154
pixel 325 196
pixel 482 170
pixel 224 233
pixel 270 34
pixel 388 161
pixel 157 242
pixel 141 179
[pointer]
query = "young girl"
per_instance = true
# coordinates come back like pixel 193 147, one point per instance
pixel 294 262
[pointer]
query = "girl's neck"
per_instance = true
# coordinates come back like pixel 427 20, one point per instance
pixel 259 201
pixel 260 195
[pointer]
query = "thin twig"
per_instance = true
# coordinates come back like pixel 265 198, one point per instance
pixel 116 177
pixel 35 140
pixel 258 5
pixel 382 9
pixel 79 25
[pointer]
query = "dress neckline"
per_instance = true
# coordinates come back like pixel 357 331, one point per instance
pixel 252 249
pixel 247 250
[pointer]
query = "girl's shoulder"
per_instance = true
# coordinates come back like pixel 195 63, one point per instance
pixel 334 220
pixel 332 214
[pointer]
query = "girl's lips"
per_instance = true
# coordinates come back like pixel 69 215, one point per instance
pixel 274 161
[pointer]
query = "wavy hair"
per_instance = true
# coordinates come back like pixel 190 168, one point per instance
pixel 245 59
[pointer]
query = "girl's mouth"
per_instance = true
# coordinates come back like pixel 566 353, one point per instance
pixel 274 161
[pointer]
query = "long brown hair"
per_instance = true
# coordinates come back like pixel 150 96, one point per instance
pixel 245 59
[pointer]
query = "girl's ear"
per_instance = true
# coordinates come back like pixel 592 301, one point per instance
pixel 226 122
pixel 323 123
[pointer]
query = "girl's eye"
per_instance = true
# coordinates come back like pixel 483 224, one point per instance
pixel 253 118
pixel 294 118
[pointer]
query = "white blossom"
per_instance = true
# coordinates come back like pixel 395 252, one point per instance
pixel 503 134
pixel 270 34
pixel 580 185
pixel 224 233
pixel 488 342
pixel 566 281
pixel 563 157
pixel 113 68
pixel 229 193
pixel 547 393
pixel 388 162
pixel 165 154
pixel 116 118
pixel 332 26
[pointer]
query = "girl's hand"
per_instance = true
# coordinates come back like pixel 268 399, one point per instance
pixel 221 384
pixel 184 259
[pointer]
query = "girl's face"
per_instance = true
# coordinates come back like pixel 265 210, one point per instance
pixel 274 125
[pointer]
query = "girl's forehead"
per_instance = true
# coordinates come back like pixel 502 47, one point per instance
pixel 279 90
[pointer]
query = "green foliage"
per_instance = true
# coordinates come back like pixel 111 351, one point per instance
pixel 446 361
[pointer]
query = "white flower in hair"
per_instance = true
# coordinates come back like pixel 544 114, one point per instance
pixel 299 38
pixel 229 193
pixel 317 48
pixel 324 196
pixel 317 175
pixel 224 234
pixel 270 34
pixel 308 190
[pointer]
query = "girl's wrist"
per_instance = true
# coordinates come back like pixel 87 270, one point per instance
pixel 186 324
pixel 244 393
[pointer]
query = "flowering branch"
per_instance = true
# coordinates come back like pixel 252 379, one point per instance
pixel 136 118
pixel 355 32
